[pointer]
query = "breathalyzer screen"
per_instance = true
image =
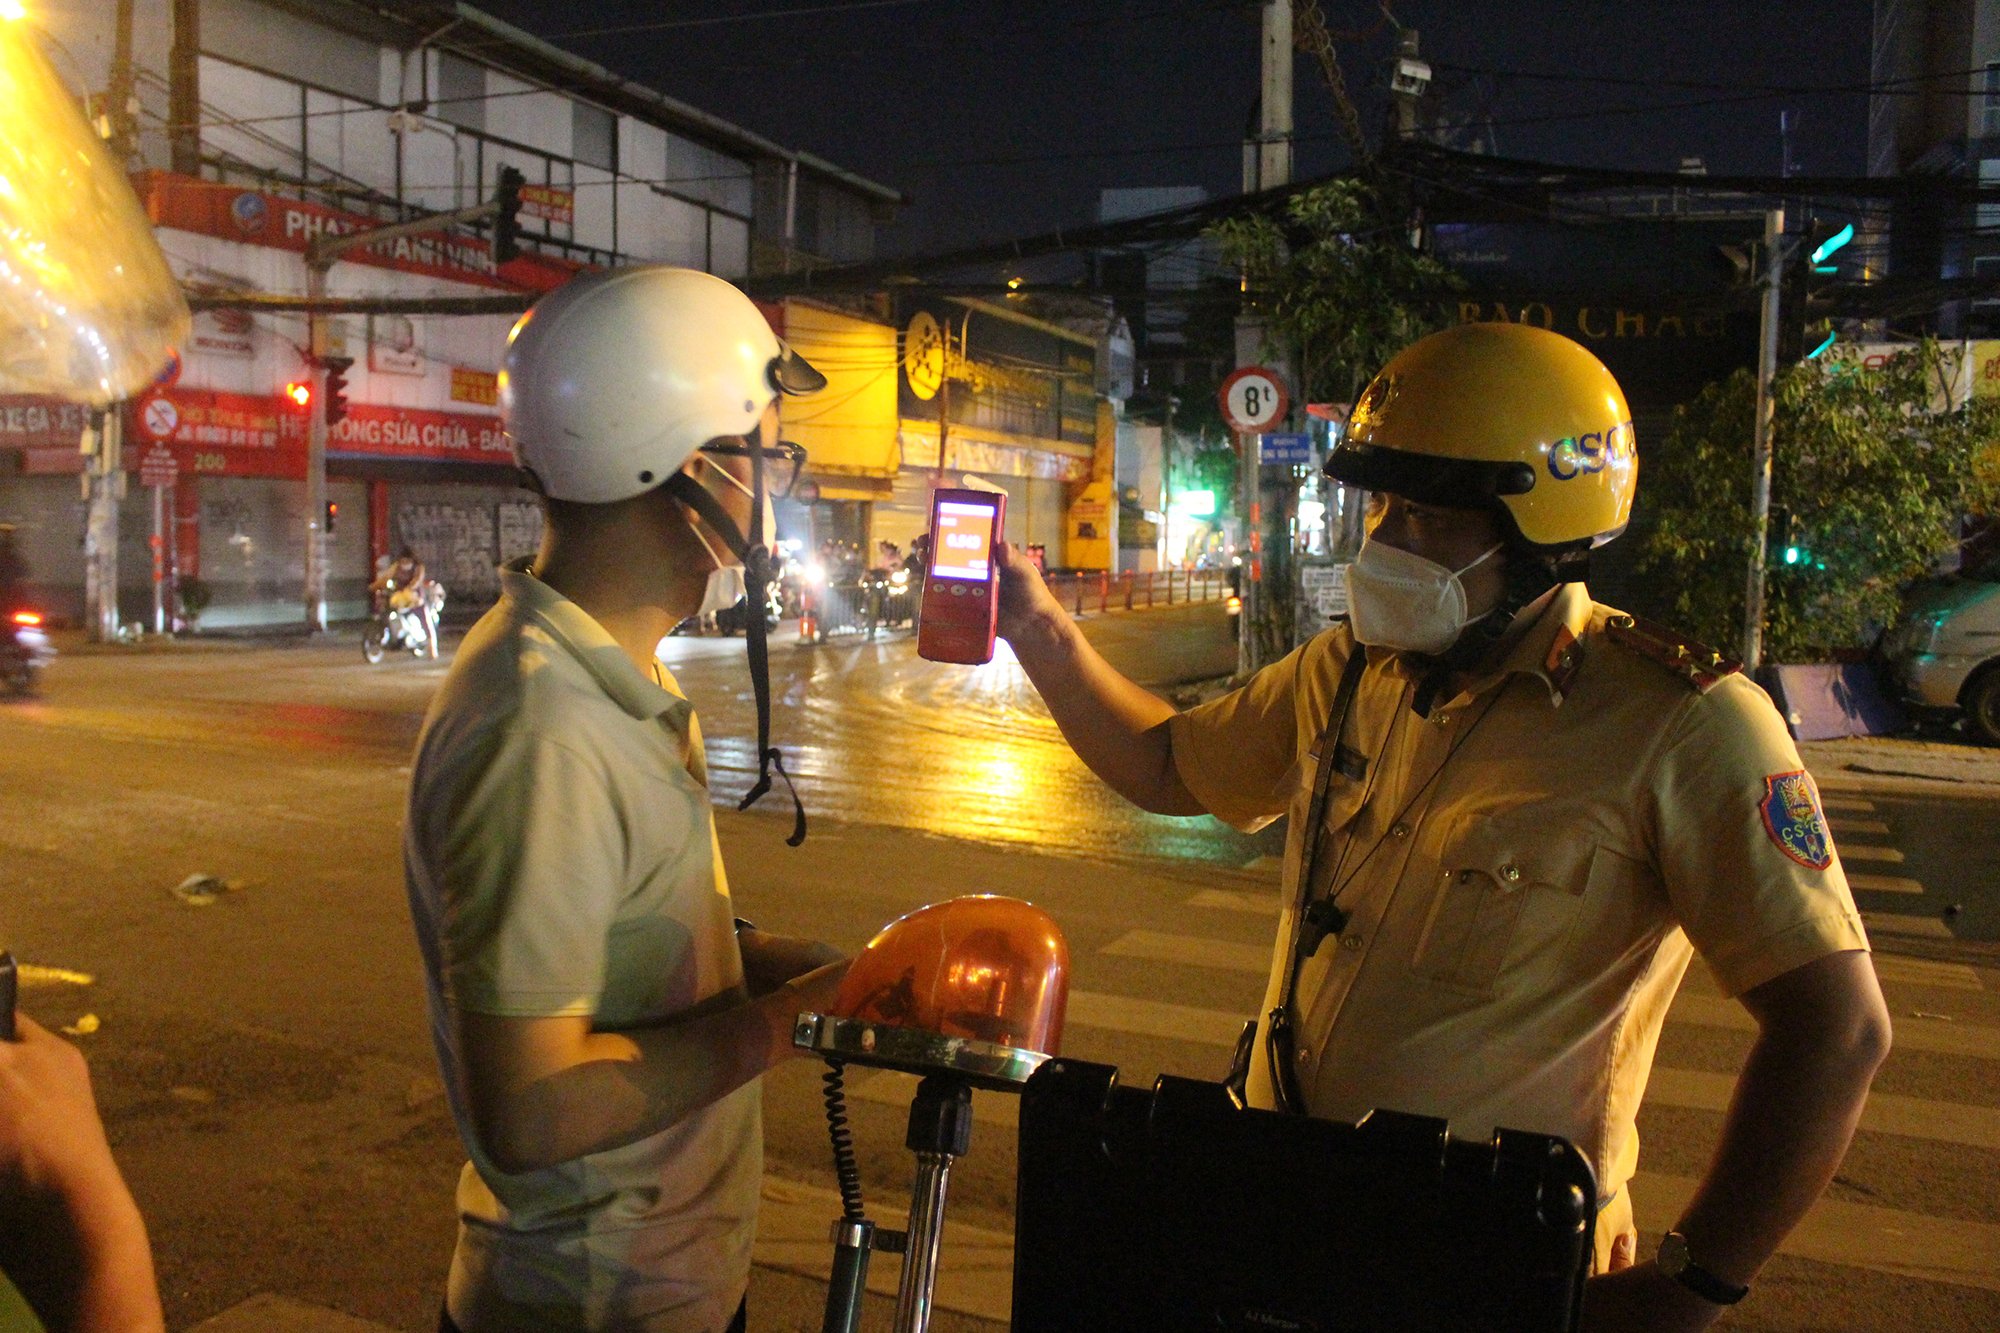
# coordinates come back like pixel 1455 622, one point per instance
pixel 964 541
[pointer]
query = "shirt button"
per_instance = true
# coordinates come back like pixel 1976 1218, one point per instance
pixel 1350 942
pixel 1399 832
pixel 1441 719
pixel 1512 874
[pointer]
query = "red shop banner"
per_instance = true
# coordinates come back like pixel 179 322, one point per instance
pixel 416 432
pixel 212 433
pixel 232 213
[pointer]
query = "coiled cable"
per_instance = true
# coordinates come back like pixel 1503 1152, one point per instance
pixel 845 1170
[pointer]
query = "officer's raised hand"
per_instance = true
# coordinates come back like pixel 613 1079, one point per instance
pixel 1025 600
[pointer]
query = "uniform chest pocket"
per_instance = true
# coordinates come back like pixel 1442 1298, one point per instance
pixel 1505 893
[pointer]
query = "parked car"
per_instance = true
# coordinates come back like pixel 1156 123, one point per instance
pixel 1943 656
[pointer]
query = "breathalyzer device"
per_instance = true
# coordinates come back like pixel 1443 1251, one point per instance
pixel 961 603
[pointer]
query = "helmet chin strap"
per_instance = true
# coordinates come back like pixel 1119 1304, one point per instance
pixel 756 558
pixel 1526 576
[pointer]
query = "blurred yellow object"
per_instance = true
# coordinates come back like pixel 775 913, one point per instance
pixel 88 307
pixel 988 968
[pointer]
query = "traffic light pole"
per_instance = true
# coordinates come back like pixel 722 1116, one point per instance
pixel 1760 464
pixel 321 253
pixel 316 429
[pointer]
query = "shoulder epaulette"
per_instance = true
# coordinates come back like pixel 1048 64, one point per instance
pixel 1699 665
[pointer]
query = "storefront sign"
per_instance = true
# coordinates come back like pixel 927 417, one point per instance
pixel 548 203
pixel 239 435
pixel 29 422
pixel 414 432
pixel 224 332
pixel 212 208
pixel 392 346
pixel 474 386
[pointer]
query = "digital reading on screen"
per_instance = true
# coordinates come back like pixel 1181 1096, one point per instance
pixel 964 541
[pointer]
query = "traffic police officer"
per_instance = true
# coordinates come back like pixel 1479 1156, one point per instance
pixel 1515 816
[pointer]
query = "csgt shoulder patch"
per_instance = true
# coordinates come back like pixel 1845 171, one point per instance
pixel 1792 817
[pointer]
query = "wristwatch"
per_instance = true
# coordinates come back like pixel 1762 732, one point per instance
pixel 1678 1264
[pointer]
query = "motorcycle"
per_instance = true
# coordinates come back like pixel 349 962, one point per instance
pixel 405 618
pixel 736 619
pixel 24 650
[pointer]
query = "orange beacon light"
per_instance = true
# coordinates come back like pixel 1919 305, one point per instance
pixel 966 993
pixel 985 968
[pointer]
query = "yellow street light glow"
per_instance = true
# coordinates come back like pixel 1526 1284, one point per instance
pixel 92 309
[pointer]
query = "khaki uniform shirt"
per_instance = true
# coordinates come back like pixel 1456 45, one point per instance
pixel 1527 871
pixel 561 860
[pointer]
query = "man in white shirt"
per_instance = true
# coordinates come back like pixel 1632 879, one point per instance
pixel 600 1016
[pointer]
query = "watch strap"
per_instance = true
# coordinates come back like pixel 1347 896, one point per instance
pixel 1679 1265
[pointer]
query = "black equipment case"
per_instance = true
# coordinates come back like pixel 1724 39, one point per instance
pixel 1175 1210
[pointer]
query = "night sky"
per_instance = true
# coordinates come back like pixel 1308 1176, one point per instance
pixel 1005 119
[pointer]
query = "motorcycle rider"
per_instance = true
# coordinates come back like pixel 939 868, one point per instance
pixel 601 1023
pixel 407 588
pixel 1516 814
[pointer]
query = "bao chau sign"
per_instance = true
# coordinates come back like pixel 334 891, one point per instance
pixel 253 217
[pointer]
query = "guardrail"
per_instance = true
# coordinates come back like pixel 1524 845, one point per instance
pixel 865 609
pixel 854 608
pixel 1102 590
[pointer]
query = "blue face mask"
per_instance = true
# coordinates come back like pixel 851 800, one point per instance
pixel 1404 602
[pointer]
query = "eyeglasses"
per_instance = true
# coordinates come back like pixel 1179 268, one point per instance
pixel 787 458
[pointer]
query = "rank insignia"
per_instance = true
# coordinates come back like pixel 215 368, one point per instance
pixel 1792 817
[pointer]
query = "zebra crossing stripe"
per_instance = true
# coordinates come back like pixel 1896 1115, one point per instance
pixel 1868 853
pixel 1885 1113
pixel 1191 951
pixel 1882 883
pixel 1857 825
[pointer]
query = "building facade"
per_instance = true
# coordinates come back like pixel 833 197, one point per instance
pixel 1937 66
pixel 253 126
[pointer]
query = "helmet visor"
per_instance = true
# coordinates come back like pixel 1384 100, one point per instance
pixel 1452 483
pixel 794 375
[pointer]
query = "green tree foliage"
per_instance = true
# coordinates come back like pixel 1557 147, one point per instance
pixel 1337 284
pixel 1875 469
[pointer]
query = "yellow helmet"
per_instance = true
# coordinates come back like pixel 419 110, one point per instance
pixel 1502 416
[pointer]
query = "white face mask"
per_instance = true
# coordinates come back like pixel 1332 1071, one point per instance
pixel 725 589
pixel 726 559
pixel 1404 602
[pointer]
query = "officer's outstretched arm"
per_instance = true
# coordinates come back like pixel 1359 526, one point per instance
pixel 1117 728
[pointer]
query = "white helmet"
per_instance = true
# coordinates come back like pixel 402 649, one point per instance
pixel 614 379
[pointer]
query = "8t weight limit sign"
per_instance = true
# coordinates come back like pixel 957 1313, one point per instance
pixel 1253 400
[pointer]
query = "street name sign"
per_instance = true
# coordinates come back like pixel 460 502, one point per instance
pixel 1284 450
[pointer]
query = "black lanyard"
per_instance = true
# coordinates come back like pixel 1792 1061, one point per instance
pixel 1315 919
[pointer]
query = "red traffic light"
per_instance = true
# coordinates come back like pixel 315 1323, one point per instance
pixel 300 393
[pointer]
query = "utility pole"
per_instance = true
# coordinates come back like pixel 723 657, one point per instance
pixel 1407 84
pixel 103 479
pixel 184 89
pixel 944 404
pixel 1274 130
pixel 1167 481
pixel 1273 169
pixel 1760 465
pixel 120 112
